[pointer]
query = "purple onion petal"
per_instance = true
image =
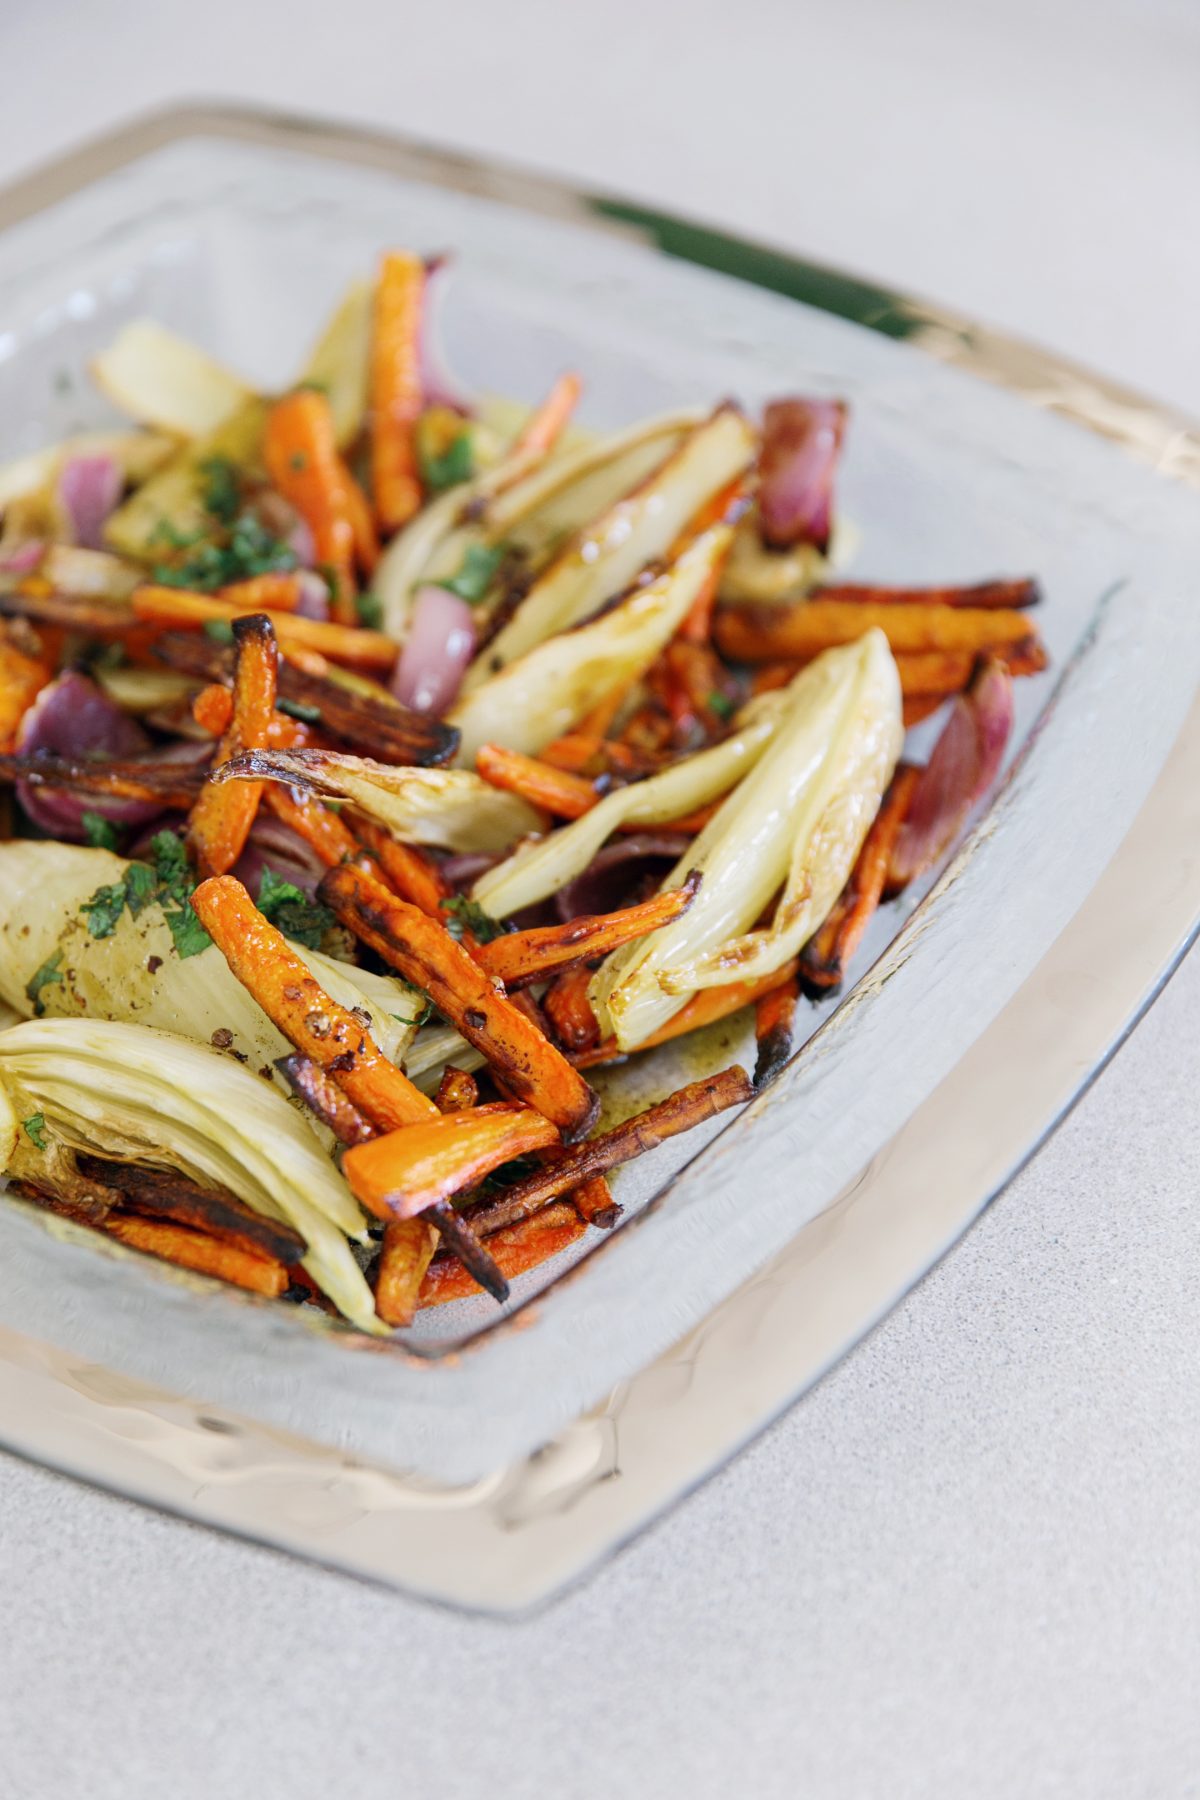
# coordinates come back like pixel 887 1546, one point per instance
pixel 622 873
pixel 802 440
pixel 438 386
pixel 962 767
pixel 23 559
pixel 89 487
pixel 441 642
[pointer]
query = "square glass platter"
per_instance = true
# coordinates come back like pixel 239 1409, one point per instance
pixel 489 1459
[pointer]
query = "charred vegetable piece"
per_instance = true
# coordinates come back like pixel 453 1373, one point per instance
pixel 774 1022
pixel 827 954
pixel 222 816
pixel 517 1249
pixel 403 1172
pixel 522 957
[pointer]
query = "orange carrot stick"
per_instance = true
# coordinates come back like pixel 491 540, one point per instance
pixel 305 466
pixel 556 791
pixel 409 1244
pixel 1007 594
pixel 333 1037
pixel 569 1010
pixel 774 1022
pixel 405 1171
pixel 22 679
pixel 826 956
pixel 704 1008
pixel 412 874
pixel 545 426
pixel 593 1201
pixel 517 1249
pixel 356 648
pixel 321 828
pixel 396 389
pixel 220 820
pixel 426 954
pixel 767 633
pixel 521 957
pixel 277 592
pixel 199 1251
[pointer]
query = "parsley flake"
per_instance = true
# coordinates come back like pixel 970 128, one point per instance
pixel 476 574
pixel 299 709
pixel 369 608
pixel 455 464
pixel 101 833
pixel 49 973
pixel 720 704
pixel 219 630
pixel 291 911
pixel 465 915
pixel 34 1128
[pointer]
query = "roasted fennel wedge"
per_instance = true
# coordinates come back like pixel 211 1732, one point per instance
pixel 795 823
pixel 51 963
pixel 129 1093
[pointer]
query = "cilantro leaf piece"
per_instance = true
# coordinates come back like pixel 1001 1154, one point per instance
pixel 141 886
pixel 720 704
pixel 219 630
pixel 104 909
pixel 291 911
pixel 100 832
pixel 171 863
pixel 221 494
pixel 428 1011
pixel 456 463
pixel 188 933
pixel 476 574
pixel 34 1128
pixel 467 915
pixel 46 976
pixel 369 608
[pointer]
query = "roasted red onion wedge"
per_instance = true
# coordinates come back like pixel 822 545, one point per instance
pixel 89 488
pixel 801 443
pixel 965 761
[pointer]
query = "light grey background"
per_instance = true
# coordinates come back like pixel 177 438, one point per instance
pixel 969 1564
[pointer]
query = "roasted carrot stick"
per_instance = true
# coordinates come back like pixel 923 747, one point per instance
pixel 774 1023
pixel 325 1099
pixel 425 953
pixel 517 1249
pixel 357 648
pixel 396 389
pixel 704 1008
pixel 305 466
pixel 1007 594
pixel 521 957
pixel 278 592
pixel 544 427
pixel 767 633
pixel 312 820
pixel 569 1010
pixel 403 1172
pixel 171 784
pixel 412 874
pixel 199 1251
pixel 335 1039
pixel 366 538
pixel 457 1090
pixel 409 1244
pixel 220 821
pixel 593 1201
pixel 166 1194
pixel 691 1106
pixel 825 957
pixel 566 796
pixel 22 679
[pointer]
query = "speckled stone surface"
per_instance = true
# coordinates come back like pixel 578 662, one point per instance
pixel 969 1563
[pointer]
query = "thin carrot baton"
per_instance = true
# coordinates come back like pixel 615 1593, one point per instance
pixel 277 591
pixel 707 1007
pixel 353 646
pixel 408 1244
pixel 395 389
pixel 305 466
pixel 552 789
pixel 424 951
pixel 200 1252
pixel 593 1201
pixel 1006 594
pixel 406 1172
pixel 521 957
pixel 569 1010
pixel 826 956
pixel 406 869
pixel 220 820
pixel 681 1111
pixel 770 633
pixel 774 1025
pixel 518 1248
pixel 545 426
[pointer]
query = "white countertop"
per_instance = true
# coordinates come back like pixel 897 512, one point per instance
pixel 969 1563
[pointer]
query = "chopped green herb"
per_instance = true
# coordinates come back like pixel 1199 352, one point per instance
pixel 171 863
pixel 478 570
pixel 219 630
pixel 104 909
pixel 720 704
pixel 34 1128
pixel 141 886
pixel 298 460
pixel 188 933
pixel 428 1011
pixel 46 976
pixel 221 494
pixel 456 463
pixel 240 547
pixel 369 608
pixel 299 709
pixel 466 915
pixel 172 538
pixel 100 832
pixel 291 911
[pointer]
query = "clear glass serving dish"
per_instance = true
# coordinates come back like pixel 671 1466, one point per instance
pixel 488 1457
